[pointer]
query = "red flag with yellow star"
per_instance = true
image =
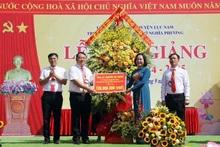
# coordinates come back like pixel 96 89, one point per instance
pixel 17 37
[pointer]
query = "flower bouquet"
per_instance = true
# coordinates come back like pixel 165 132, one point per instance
pixel 16 87
pixel 124 124
pixel 114 51
pixel 161 128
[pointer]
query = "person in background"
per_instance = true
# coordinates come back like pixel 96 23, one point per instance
pixel 138 84
pixel 96 118
pixel 80 99
pixel 52 78
pixel 175 89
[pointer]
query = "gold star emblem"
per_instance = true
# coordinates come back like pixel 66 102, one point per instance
pixel 22 28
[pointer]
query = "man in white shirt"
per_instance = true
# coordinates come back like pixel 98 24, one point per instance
pixel 175 90
pixel 52 77
pixel 80 99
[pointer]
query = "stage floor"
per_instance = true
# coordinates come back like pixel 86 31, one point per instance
pixel 66 141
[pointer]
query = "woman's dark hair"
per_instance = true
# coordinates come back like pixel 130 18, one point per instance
pixel 144 57
pixel 52 54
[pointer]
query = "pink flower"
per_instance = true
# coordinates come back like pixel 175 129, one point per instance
pixel 202 113
pixel 15 87
pixel 211 144
pixel 206 99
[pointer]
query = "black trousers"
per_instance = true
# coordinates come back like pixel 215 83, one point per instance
pixel 51 102
pixel 176 103
pixel 81 108
pixel 96 118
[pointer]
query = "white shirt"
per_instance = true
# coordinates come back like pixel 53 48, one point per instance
pixel 61 72
pixel 181 81
pixel 75 73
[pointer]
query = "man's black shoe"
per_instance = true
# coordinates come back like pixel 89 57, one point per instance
pixel 57 141
pixel 98 139
pixel 46 141
pixel 76 142
pixel 86 141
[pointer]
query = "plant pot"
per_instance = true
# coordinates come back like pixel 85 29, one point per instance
pixel 116 138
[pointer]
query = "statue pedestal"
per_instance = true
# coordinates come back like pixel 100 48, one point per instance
pixel 17 108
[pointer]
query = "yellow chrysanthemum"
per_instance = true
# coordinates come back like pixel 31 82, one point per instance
pixel 149 119
pixel 141 134
pixel 120 64
pixel 155 114
pixel 127 42
pixel 153 135
pixel 182 139
pixel 162 123
pixel 173 136
pixel 111 63
pixel 147 139
pixel 168 123
pixel 164 143
pixel 130 62
pixel 170 130
pixel 163 133
pixel 144 130
pixel 144 124
pixel 126 63
pixel 172 120
pixel 171 115
pixel 1 124
pixel 127 58
pixel 156 123
pixel 173 142
pixel 177 118
pixel 173 126
pixel 154 141
pixel 177 123
pixel 152 130
pixel 180 132
pixel 162 115
pixel 182 123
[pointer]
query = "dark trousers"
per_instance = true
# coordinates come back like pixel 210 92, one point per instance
pixel 96 118
pixel 176 103
pixel 81 108
pixel 137 103
pixel 51 102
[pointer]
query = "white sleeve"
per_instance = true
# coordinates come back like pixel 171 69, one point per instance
pixel 64 74
pixel 73 73
pixel 42 74
pixel 186 85
pixel 163 86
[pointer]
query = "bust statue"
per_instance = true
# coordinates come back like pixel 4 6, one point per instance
pixel 18 74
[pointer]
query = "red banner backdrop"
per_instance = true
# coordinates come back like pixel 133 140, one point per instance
pixel 90 7
pixel 17 37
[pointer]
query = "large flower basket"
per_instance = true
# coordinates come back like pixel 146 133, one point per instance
pixel 17 102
